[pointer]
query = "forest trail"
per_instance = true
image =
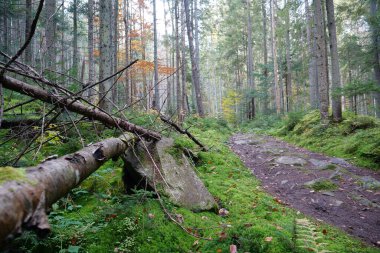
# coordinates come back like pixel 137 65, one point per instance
pixel 329 189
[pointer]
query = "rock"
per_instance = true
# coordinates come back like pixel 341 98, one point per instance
pixel 171 174
pixel 242 142
pixel 339 161
pixel 319 163
pixel 327 193
pixel 369 183
pixel 290 160
pixel 336 203
pixel 336 175
pixel 284 182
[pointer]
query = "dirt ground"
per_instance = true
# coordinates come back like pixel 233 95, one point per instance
pixel 350 200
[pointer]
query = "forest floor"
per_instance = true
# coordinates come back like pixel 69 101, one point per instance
pixel 326 188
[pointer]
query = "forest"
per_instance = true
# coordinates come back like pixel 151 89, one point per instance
pixel 190 126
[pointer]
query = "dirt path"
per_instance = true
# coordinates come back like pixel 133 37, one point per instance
pixel 329 189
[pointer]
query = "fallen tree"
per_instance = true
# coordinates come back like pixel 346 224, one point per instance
pixel 76 106
pixel 26 198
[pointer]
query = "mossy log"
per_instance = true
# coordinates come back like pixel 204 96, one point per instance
pixel 25 199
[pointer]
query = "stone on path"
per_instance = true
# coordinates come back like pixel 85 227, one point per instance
pixel 339 161
pixel 319 163
pixel 291 160
pixel 369 183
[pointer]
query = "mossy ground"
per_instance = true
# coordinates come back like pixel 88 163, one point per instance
pixel 99 217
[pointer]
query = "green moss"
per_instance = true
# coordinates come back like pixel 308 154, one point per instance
pixel 12 174
pixel 324 184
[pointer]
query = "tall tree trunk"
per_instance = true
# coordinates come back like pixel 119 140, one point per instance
pixel 321 61
pixel 126 41
pixel 335 69
pixel 250 77
pixel 194 63
pixel 274 55
pixel 375 27
pixel 5 37
pixel 114 47
pixel 75 38
pixel 185 104
pixel 105 64
pixel 265 49
pixel 28 23
pixel 313 80
pixel 156 100
pixel 178 60
pixel 91 62
pixel 289 95
pixel 50 8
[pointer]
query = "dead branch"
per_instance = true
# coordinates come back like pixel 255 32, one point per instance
pixel 183 131
pixel 76 106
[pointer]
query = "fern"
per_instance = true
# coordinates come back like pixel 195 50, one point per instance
pixel 308 238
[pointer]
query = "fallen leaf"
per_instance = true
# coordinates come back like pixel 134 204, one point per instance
pixel 222 236
pixel 204 218
pixel 324 231
pixel 179 218
pixel 233 249
pixel 279 228
pixel 219 250
pixel 268 239
pixel 151 216
pixel 196 243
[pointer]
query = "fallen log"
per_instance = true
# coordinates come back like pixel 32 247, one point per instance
pixel 75 106
pixel 26 198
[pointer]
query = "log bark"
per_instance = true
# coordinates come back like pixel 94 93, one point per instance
pixel 76 106
pixel 24 203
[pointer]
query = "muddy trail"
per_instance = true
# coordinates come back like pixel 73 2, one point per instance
pixel 326 188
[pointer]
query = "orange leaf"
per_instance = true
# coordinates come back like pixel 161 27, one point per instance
pixel 268 239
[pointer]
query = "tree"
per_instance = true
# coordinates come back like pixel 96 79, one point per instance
pixel 313 79
pixel 250 76
pixel 335 69
pixel 90 41
pixel 156 100
pixel 321 60
pixel 274 56
pixel 375 27
pixel 28 23
pixel 194 63
pixel 50 29
pixel 105 63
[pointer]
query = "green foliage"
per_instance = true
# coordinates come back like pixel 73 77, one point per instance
pixel 324 184
pixel 11 174
pixel 308 237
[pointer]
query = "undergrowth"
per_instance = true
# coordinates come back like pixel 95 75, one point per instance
pixel 99 217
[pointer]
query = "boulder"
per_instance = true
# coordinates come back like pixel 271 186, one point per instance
pixel 168 170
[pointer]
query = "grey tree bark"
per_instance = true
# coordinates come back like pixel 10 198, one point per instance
pixel 24 203
pixel 274 55
pixel 194 63
pixel 321 60
pixel 75 38
pixel 335 69
pixel 250 77
pixel 105 63
pixel 313 80
pixel 126 41
pixel 28 23
pixel 178 60
pixel 50 29
pixel 289 95
pixel 185 105
pixel 265 49
pixel 374 8
pixel 90 41
pixel 156 100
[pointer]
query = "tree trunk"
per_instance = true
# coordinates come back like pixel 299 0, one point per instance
pixel 374 8
pixel 91 62
pixel 50 8
pixel 335 69
pixel 289 95
pixel 75 106
pixel 250 77
pixel 28 24
pixel 156 101
pixel 178 60
pixel 75 38
pixel 25 203
pixel 321 61
pixel 105 64
pixel 312 59
pixel 265 49
pixel 185 104
pixel 126 41
pixel 274 55
pixel 194 63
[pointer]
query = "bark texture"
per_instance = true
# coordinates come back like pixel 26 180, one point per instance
pixel 335 69
pixel 274 55
pixel 25 203
pixel 76 106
